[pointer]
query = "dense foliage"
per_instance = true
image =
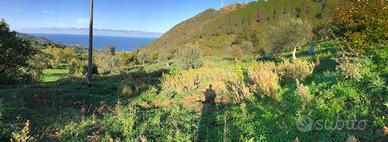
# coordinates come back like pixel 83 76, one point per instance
pixel 361 23
pixel 288 34
pixel 14 56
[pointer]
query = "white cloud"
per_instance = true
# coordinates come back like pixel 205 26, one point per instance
pixel 49 12
pixel 82 22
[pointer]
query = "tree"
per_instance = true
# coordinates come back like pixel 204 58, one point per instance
pixel 111 50
pixel 167 56
pixel 288 33
pixel 69 53
pixel 58 55
pixel 235 52
pixel 190 56
pixel 14 54
pixel 142 56
pixel 127 58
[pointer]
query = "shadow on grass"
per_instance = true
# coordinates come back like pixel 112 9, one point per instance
pixel 49 106
pixel 209 129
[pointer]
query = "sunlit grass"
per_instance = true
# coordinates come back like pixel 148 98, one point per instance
pixel 53 75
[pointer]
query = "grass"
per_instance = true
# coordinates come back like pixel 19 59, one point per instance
pixel 53 75
pixel 63 108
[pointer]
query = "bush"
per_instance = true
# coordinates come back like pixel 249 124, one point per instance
pixel 360 23
pixel 237 87
pixel 24 135
pixel 108 63
pixel 142 56
pixel 127 58
pixel 351 66
pixel 69 53
pixel 263 79
pixel 167 56
pixel 304 92
pixel 235 52
pixel 80 67
pixel 296 69
pixel 190 57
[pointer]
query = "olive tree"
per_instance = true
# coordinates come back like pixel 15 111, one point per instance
pixel 288 33
pixel 190 56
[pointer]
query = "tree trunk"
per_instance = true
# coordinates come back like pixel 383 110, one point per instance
pixel 294 53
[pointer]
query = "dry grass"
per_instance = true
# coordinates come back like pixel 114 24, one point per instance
pixel 198 79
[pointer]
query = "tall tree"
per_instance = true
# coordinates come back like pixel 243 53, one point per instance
pixel 14 54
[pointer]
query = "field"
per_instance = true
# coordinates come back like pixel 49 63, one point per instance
pixel 156 102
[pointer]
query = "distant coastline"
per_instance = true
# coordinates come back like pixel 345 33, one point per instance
pixel 121 43
pixel 85 31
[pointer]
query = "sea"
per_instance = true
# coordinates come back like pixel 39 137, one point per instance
pixel 100 42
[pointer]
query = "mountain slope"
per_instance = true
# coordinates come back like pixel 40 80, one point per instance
pixel 238 24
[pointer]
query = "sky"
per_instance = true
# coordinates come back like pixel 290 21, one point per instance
pixel 137 15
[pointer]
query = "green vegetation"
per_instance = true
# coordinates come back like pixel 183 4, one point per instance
pixel 288 33
pixel 216 85
pixel 53 75
pixel 15 54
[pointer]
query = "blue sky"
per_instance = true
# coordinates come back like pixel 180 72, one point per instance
pixel 143 15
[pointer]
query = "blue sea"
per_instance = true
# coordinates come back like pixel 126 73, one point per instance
pixel 100 42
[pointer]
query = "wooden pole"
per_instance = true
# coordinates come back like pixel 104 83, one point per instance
pixel 90 51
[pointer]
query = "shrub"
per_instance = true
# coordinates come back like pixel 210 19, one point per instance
pixel 288 33
pixel 127 58
pixel 167 56
pixel 296 69
pixel 361 23
pixel 190 80
pixel 142 56
pixel 350 69
pixel 108 63
pixel 58 55
pixel 80 67
pixel 24 135
pixel 150 94
pixel 235 52
pixel 238 89
pixel 236 85
pixel 126 91
pixel 304 92
pixel 182 82
pixel 190 57
pixel 263 79
pixel 69 53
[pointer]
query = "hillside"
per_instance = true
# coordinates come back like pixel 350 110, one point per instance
pixel 39 40
pixel 188 29
pixel 243 22
pixel 247 72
